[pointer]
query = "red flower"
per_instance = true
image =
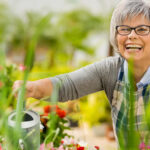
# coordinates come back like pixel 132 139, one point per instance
pixel 61 113
pixel 47 109
pixel 62 142
pixel 97 147
pixel 80 148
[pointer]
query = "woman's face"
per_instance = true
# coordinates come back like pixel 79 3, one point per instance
pixel 133 45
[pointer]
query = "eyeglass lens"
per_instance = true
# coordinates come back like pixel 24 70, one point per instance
pixel 140 30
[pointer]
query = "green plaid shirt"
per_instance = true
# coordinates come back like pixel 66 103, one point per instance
pixel 120 106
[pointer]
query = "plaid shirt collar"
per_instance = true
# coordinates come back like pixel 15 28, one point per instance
pixel 145 79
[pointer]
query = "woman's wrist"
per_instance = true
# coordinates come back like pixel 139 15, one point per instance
pixel 44 88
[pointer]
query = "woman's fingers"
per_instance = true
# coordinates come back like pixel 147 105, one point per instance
pixel 37 89
pixel 16 86
pixel 29 91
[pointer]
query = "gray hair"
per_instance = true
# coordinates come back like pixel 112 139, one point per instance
pixel 127 9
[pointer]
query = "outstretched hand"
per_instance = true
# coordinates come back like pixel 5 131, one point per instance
pixel 37 89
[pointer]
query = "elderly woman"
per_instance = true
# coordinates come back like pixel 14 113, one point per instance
pixel 130 36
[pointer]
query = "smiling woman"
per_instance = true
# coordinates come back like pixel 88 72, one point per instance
pixel 124 78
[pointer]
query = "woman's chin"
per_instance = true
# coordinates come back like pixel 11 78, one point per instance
pixel 135 59
pixel 132 56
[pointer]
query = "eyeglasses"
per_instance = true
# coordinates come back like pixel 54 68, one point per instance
pixel 126 30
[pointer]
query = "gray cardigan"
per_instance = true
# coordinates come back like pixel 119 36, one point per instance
pixel 99 76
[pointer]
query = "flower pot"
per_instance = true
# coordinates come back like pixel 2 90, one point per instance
pixel 30 130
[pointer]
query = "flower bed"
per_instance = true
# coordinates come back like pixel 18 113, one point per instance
pixel 53 134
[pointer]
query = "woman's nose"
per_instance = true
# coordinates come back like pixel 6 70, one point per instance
pixel 132 35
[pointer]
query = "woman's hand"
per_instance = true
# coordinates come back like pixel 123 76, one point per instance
pixel 37 89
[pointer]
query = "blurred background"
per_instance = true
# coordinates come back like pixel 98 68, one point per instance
pixel 71 34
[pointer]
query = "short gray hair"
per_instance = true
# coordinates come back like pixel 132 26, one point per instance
pixel 127 9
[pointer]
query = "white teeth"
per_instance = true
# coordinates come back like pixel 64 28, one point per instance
pixel 134 47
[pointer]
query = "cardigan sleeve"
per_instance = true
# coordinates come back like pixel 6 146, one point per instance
pixel 92 78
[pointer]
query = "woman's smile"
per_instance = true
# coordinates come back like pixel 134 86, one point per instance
pixel 131 47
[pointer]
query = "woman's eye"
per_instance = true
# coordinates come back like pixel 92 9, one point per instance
pixel 125 29
pixel 142 29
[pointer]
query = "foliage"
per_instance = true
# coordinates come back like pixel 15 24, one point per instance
pixel 5 94
pixel 6 23
pixel 95 109
pixel 76 26
pixel 54 135
pixel 6 85
pixel 62 35
pixel 54 122
pixel 27 27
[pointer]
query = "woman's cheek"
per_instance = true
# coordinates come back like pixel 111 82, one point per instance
pixel 121 41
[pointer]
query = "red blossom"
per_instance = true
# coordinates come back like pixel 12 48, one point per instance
pixel 80 148
pixel 47 109
pixel 61 113
pixel 97 147
pixel 62 142
pixel 22 67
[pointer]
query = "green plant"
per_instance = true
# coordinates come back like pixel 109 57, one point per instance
pixel 12 136
pixel 55 124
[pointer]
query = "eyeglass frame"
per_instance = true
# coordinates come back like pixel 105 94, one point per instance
pixel 132 28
